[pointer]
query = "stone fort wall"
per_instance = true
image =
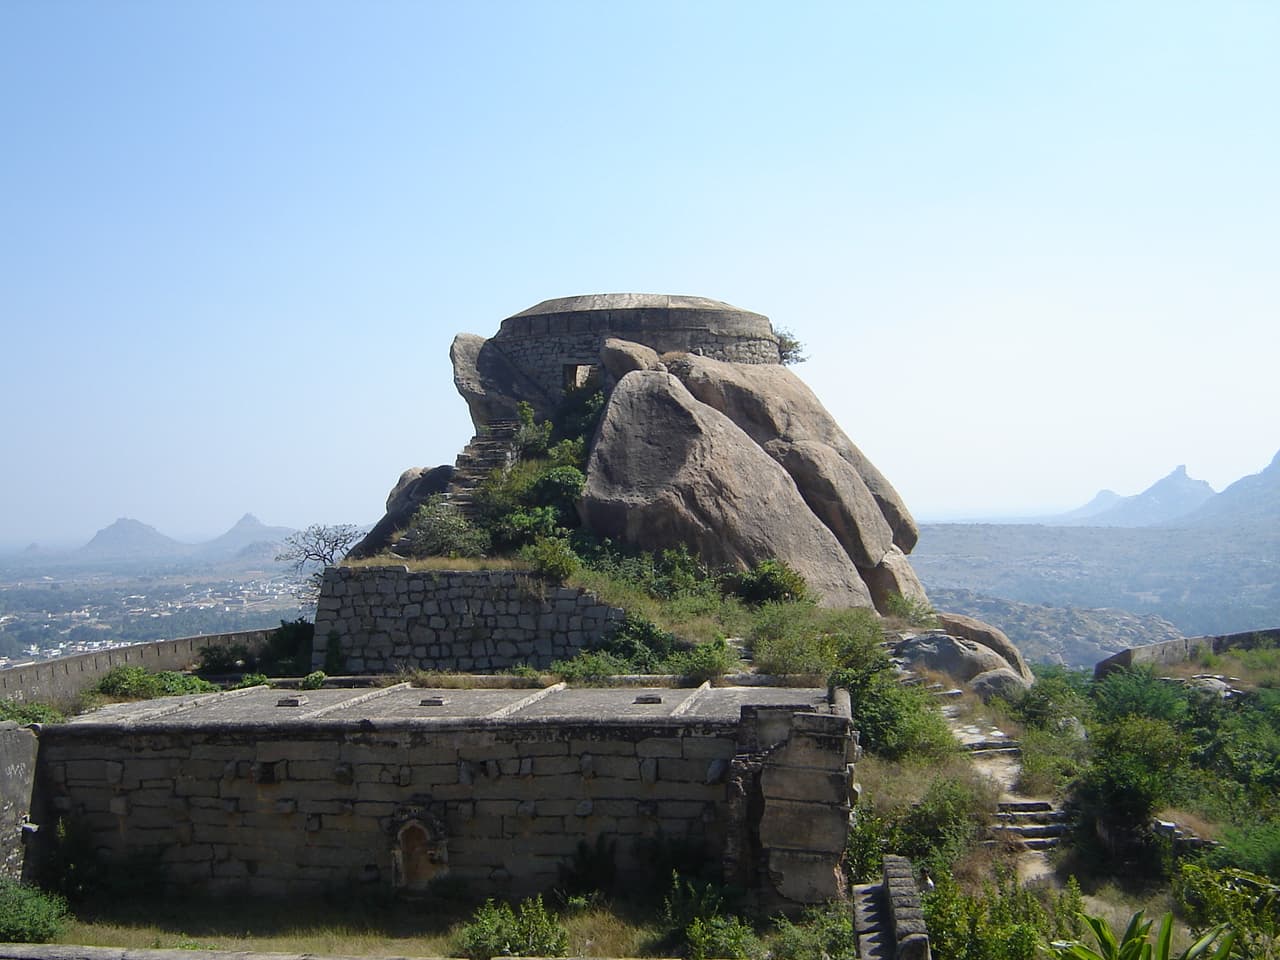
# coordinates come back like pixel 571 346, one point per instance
pixel 387 618
pixel 302 807
pixel 541 346
pixel 64 678
pixel 1182 650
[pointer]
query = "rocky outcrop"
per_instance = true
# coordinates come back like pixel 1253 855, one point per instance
pixel 620 357
pixel 491 384
pixel 666 469
pixel 414 487
pixel 969 628
pixel 780 413
pixel 1001 682
pixel 960 659
pixel 894 575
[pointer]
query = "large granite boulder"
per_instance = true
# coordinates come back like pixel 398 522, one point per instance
pixel 620 357
pixel 1001 682
pixel 666 469
pixel 960 659
pixel 894 575
pixel 780 413
pixel 415 486
pixel 991 637
pixel 491 384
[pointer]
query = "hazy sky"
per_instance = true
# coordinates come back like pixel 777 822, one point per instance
pixel 1031 247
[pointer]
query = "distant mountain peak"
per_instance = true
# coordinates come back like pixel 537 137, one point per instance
pixel 248 520
pixel 129 537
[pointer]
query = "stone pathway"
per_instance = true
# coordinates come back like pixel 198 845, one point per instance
pixel 1034 824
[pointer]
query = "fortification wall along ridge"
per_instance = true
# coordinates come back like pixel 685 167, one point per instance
pixel 387 618
pixel 398 787
pixel 1182 650
pixel 554 336
pixel 63 678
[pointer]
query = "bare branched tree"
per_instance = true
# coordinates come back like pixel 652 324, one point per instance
pixel 309 551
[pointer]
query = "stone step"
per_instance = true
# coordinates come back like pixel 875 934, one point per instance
pixel 1033 843
pixel 1025 806
pixel 1031 816
pixel 981 746
pixel 1027 831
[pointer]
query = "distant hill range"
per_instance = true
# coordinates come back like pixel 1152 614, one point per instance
pixel 133 540
pixel 1166 500
pixel 1214 569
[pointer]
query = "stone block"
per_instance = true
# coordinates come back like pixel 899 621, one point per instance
pixel 708 748
pixel 805 783
pixel 806 878
pixel 804 826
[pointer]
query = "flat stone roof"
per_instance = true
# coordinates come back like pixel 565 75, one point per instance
pixel 644 311
pixel 261 705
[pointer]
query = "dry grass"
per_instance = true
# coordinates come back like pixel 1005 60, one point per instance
pixel 1189 821
pixel 450 680
pixel 892 785
pixel 442 564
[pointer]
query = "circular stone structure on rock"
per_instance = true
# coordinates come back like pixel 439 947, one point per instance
pixel 557 342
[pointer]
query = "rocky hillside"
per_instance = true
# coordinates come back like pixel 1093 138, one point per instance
pixel 1073 637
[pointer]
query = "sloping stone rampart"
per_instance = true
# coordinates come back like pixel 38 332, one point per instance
pixel 387 618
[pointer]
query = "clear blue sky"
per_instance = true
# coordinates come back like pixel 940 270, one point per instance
pixel 1031 247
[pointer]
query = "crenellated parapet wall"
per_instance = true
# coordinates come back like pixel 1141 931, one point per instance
pixel 382 619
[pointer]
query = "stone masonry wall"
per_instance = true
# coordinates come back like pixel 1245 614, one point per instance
pixel 64 678
pixel 1181 650
pixel 386 618
pixel 297 808
pixel 17 778
pixel 541 346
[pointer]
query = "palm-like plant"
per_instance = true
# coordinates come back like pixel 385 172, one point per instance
pixel 1133 944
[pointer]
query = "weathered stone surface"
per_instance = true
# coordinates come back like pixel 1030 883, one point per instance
pixel 771 403
pixel 1003 682
pixel 972 629
pixel 412 490
pixel 491 383
pixel 838 497
pixel 667 469
pixel 620 357
pixel 954 656
pixel 893 574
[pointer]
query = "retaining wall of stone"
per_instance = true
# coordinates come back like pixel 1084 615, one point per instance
pixel 64 678
pixel 17 778
pixel 298 807
pixel 1182 650
pixel 387 618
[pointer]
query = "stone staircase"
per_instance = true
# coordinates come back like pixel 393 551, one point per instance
pixel 493 449
pixel 1036 824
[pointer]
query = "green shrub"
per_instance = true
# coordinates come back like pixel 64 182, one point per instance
pixel 704 661
pixel 689 900
pixel 288 648
pixel 138 683
pixel 28 915
pixel 590 665
pixel 496 930
pixel 252 680
pixel 1246 902
pixel 944 824
pixel 551 558
pixel 1255 849
pixel 228 659
pixel 532 438
pixel 313 680
pixel 803 638
pixel 439 530
pixel 790 349
pixel 25 712
pixel 722 937
pixel 823 932
pixel 560 489
pixel 869 837
pixel 578 414
pixel 895 721
pixel 1004 922
pixel 913 610
pixel 1134 772
pixel 1139 692
pixel 769 581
